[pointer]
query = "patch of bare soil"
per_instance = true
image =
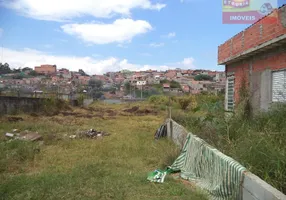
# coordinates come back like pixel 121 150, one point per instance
pixel 146 111
pixel 131 110
pixel 75 114
pixel 15 119
pixel 140 112
pixel 111 113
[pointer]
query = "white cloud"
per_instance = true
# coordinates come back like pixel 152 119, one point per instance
pixel 1 32
pixel 156 45
pixel 31 58
pixel 59 10
pixel 122 46
pixel 121 30
pixel 187 62
pixel 170 35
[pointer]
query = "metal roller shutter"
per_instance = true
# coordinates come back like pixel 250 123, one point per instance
pixel 278 86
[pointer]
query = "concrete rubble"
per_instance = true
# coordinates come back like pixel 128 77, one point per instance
pixel 92 134
pixel 25 135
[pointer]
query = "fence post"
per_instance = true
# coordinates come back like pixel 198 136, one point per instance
pixel 171 129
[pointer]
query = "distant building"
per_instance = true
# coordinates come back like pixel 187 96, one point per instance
pixel 46 69
pixel 185 88
pixel 166 87
pixel 84 80
pixel 141 83
pixel 170 75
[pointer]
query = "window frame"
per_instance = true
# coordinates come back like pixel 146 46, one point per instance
pixel 227 107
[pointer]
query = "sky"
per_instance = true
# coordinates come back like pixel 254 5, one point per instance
pixel 110 35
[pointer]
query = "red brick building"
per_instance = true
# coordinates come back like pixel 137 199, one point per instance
pixel 46 69
pixel 257 57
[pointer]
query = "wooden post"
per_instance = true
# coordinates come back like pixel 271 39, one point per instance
pixel 170 113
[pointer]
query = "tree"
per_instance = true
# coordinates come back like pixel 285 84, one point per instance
pixel 95 87
pixel 17 70
pixel 113 90
pixel 126 72
pixel 33 73
pixel 5 69
pixel 18 76
pixel 94 83
pixel 82 72
pixel 164 81
pixel 127 86
pixel 203 77
pixel 26 69
pixel 174 84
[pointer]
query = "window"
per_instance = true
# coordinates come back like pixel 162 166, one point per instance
pixel 230 93
pixel 279 86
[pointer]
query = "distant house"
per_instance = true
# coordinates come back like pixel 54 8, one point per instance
pixel 166 87
pixel 171 75
pixel 185 88
pixel 83 80
pixel 220 76
pixel 46 69
pixel 195 87
pixel 138 83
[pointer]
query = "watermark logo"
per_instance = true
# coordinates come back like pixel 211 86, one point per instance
pixel 236 4
pixel 248 11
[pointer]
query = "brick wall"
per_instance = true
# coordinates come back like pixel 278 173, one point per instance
pixel 274 59
pixel 259 33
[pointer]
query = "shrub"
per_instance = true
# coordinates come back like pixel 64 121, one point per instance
pixel 80 100
pixel 54 105
pixel 184 102
pixel 159 100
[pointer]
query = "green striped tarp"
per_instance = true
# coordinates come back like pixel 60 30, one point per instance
pixel 210 169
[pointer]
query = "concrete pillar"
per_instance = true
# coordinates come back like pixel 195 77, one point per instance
pixel 265 90
pixel 255 90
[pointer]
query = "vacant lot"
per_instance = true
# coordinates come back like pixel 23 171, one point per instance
pixel 113 167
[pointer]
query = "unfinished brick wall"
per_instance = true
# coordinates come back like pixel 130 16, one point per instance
pixel 263 31
pixel 271 60
pixel 241 72
pixel 274 59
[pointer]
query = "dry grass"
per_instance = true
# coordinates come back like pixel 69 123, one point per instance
pixel 114 167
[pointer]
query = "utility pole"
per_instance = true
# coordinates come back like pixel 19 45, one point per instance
pixel 2 54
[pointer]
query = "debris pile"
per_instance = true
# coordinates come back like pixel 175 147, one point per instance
pixel 161 132
pixel 15 119
pixel 92 134
pixel 25 135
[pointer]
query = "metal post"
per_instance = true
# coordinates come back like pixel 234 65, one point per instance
pixel 141 91
pixel 170 112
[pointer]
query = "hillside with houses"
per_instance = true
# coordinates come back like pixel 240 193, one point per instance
pixel 49 79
